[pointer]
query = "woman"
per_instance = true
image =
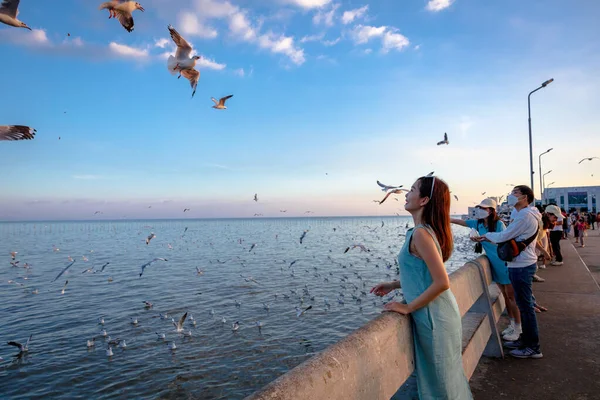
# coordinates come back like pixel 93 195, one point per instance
pixel 581 227
pixel 488 221
pixel 436 321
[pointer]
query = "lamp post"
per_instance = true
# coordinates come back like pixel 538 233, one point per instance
pixel 540 165
pixel 544 183
pixel 530 142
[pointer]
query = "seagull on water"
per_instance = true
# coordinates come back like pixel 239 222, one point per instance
pixel 182 61
pixel 235 326
pixel 220 105
pixel 64 287
pixel 150 237
pixel 9 10
pixel 22 348
pixel 385 188
pixel 179 325
pixel 91 343
pixel 150 263
pixel 161 336
pixel 199 271
pixel 101 321
pixel 122 11
pixel 147 304
pixel 134 321
pixel 172 346
pixel 445 141
pixel 103 333
pixel 109 352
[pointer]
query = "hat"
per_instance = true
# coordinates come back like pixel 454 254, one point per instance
pixel 552 209
pixel 488 203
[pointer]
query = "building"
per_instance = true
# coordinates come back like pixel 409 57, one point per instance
pixel 578 198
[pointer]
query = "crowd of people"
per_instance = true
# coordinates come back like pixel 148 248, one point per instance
pixel 516 252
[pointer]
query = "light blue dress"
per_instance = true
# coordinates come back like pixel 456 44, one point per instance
pixel 437 331
pixel 499 268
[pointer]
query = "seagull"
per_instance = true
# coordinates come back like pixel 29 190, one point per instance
pixel 161 336
pixel 585 159
pixel 123 345
pixel 395 191
pixel 109 352
pixel 300 312
pixel 150 263
pixel 361 246
pixel 445 141
pixel 255 196
pixel 101 321
pixel 483 194
pixel 385 188
pixel 122 11
pixel 456 197
pixel 259 325
pixel 22 349
pixel 15 132
pixel 173 346
pixel 186 209
pixel 110 6
pixel 150 237
pixel 104 266
pixel 199 271
pixel 134 321
pixel 235 326
pixel 179 325
pixel 91 343
pixel 302 237
pixel 252 247
pixel 13 254
pixel 220 105
pixel 103 333
pixel 9 10
pixel 64 287
pixel 147 304
pixel 182 61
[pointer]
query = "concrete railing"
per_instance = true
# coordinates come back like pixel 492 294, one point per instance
pixel 375 360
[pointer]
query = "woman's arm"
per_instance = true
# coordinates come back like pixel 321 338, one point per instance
pixel 458 222
pixel 427 251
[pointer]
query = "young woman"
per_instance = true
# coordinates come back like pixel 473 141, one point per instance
pixel 436 322
pixel 488 221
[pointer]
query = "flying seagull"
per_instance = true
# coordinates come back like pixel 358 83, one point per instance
pixel 300 311
pixel 255 196
pixel 220 105
pixel 302 237
pixel 385 188
pixel 396 191
pixel 149 263
pixel 122 11
pixel 179 325
pixel 182 61
pixel 9 10
pixel 429 175
pixel 585 159
pixel 445 141
pixel 456 197
pixel 110 6
pixel 15 132
pixel 150 237
pixel 22 348
pixel 64 270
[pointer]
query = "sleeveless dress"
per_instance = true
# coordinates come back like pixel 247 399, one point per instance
pixel 437 331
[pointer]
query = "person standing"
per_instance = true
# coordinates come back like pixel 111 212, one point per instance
pixel 522 268
pixel 556 233
pixel 436 320
pixel 581 227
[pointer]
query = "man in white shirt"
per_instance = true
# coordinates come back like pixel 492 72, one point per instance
pixel 556 233
pixel 522 268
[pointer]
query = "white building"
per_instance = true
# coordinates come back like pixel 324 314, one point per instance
pixel 578 198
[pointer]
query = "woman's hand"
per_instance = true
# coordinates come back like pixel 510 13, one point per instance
pixel 383 288
pixel 399 308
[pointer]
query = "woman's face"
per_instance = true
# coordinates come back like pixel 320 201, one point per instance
pixel 413 201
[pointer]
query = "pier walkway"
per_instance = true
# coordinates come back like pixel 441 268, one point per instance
pixel 569 335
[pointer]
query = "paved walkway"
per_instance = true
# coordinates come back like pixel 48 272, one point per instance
pixel 569 335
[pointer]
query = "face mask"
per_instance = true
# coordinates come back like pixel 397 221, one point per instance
pixel 481 214
pixel 512 200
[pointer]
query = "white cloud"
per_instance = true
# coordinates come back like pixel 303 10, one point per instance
pixel 282 44
pixel 210 64
pixel 332 42
pixel 191 25
pixel 390 38
pixel 239 72
pixel 34 38
pixel 127 51
pixel 162 43
pixel 240 26
pixel 308 4
pixel 438 5
pixel 312 38
pixel 325 17
pixel 215 8
pixel 351 15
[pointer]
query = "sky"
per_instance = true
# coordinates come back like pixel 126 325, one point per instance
pixel 329 96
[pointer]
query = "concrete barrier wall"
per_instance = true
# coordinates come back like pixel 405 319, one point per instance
pixel 375 360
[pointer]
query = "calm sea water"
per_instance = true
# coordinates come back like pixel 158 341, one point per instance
pixel 215 362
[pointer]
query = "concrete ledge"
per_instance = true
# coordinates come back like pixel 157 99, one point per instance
pixel 375 360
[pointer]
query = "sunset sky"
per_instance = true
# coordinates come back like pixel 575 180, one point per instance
pixel 329 96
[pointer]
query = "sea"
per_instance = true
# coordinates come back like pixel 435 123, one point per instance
pixel 218 271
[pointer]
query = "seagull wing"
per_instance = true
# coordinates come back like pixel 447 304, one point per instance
pixel 28 340
pixel 181 321
pixel 445 137
pixel 64 270
pixel 16 344
pixel 440 143
pixel 10 8
pixel 223 99
pixel 214 101
pixel 16 132
pixel 193 76
pixel 184 50
pixel 104 266
pixel 125 18
pixel 385 198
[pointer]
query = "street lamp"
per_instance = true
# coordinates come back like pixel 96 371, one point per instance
pixel 544 184
pixel 540 164
pixel 530 142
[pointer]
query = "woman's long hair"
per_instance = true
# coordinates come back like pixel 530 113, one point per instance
pixel 492 220
pixel 436 212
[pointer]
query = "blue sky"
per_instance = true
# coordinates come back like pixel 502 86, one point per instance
pixel 329 96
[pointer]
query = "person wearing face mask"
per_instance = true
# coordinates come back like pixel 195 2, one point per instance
pixel 435 317
pixel 488 221
pixel 521 269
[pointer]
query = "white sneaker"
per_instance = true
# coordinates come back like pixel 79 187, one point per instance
pixel 556 263
pixel 514 335
pixel 509 330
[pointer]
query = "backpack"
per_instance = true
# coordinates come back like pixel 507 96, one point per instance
pixel 507 251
